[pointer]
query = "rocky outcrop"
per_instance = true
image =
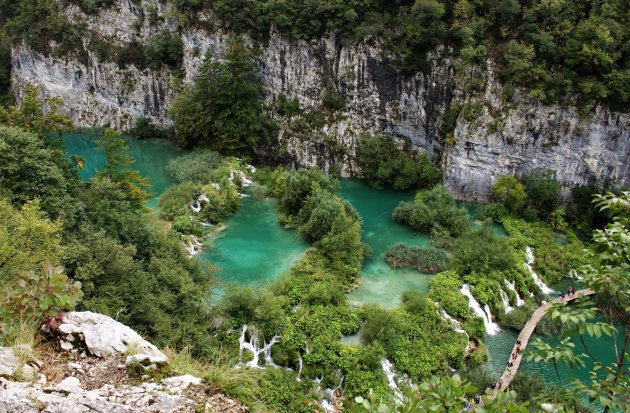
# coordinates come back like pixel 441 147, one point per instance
pixel 97 378
pixel 103 336
pixel 498 137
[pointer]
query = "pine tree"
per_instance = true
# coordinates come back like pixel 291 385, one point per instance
pixel 116 169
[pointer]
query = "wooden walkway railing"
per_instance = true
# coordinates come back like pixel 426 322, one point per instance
pixel 525 334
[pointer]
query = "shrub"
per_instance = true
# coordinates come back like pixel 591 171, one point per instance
pixel 223 202
pixel 145 129
pixel 197 166
pixel 482 252
pixel 510 192
pixel 187 225
pixel 383 163
pixel 176 200
pixel 427 260
pixel 430 208
pixel 444 288
pixel 164 49
pixel 543 191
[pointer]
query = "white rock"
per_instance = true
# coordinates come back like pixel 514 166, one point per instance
pixel 69 385
pixel 104 336
pixel 181 382
pixel 75 366
pixel 66 345
pixel 10 365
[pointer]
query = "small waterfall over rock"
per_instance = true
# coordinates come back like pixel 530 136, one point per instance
pixel 491 328
pixel 300 365
pixel 388 371
pixel 512 286
pixel 456 325
pixel 537 280
pixel 506 302
pixel 253 346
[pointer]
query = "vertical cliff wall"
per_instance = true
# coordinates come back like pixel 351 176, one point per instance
pixel 500 137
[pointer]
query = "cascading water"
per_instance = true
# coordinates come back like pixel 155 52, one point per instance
pixel 491 328
pixel 388 371
pixel 506 302
pixel 456 325
pixel 537 280
pixel 512 286
pixel 253 346
pixel 301 364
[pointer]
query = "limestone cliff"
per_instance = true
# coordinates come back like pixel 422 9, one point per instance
pixel 496 136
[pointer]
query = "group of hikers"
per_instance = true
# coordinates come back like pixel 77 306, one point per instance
pixel 475 400
pixel 570 292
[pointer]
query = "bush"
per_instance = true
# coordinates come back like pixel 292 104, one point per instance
pixel 145 129
pixel 223 202
pixel 482 252
pixel 444 288
pixel 164 49
pixel 510 192
pixel 475 327
pixel 187 225
pixel 430 208
pixel 383 163
pixel 543 191
pixel 176 200
pixel 427 260
pixel 198 166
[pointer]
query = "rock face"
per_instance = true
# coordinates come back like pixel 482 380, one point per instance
pixel 499 136
pixel 104 336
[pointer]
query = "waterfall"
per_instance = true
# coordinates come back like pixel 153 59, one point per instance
pixel 456 325
pixel 253 346
pixel 196 208
pixel 537 280
pixel 301 364
pixel 574 274
pixel 491 328
pixel 506 302
pixel 388 371
pixel 512 286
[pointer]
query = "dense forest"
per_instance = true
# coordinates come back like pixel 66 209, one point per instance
pixel 559 50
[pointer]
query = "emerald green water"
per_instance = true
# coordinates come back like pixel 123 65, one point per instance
pixel 151 157
pixel 254 248
pixel 380 283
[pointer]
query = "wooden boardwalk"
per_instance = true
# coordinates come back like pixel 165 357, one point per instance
pixel 528 330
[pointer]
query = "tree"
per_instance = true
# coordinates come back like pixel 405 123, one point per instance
pixel 510 192
pixel 31 116
pixel 117 161
pixel 543 191
pixel 223 108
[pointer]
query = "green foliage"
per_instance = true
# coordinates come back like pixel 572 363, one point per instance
pixel 553 260
pixel 187 225
pixel 223 201
pixel 282 393
pixel 198 166
pixel 145 129
pixel 293 188
pixel 223 108
pixel 164 49
pixel 333 101
pixel 116 169
pixel 510 192
pixel 482 252
pixel 431 208
pixel 28 238
pixel 543 191
pixel 427 260
pixel 176 200
pixel 383 163
pixel 444 289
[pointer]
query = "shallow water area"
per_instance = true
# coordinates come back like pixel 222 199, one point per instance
pixel 381 283
pixel 254 248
